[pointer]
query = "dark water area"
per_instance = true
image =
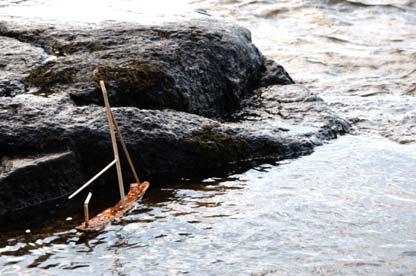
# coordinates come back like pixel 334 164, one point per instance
pixel 347 209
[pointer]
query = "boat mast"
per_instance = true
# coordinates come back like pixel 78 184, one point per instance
pixel 113 141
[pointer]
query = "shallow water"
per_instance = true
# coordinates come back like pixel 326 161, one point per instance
pixel 359 55
pixel 349 208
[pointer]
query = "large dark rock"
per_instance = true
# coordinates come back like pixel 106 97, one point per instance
pixel 202 66
pixel 164 81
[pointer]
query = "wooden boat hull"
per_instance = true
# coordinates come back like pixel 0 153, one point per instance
pixel 98 222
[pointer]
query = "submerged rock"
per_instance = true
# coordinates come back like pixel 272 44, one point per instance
pixel 189 97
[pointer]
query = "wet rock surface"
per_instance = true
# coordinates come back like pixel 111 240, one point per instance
pixel 189 97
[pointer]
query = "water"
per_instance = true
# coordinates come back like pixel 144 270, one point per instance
pixel 349 208
pixel 359 55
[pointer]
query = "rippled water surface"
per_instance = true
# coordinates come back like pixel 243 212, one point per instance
pixel 359 55
pixel 350 207
pixel 347 208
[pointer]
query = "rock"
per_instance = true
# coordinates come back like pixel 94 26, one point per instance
pixel 16 60
pixel 202 66
pixel 190 97
pixel 32 180
pixel 168 143
pixel 273 73
pixel 294 105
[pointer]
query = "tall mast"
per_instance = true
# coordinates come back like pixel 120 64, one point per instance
pixel 113 141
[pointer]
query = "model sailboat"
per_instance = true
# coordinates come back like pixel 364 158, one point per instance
pixel 136 190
